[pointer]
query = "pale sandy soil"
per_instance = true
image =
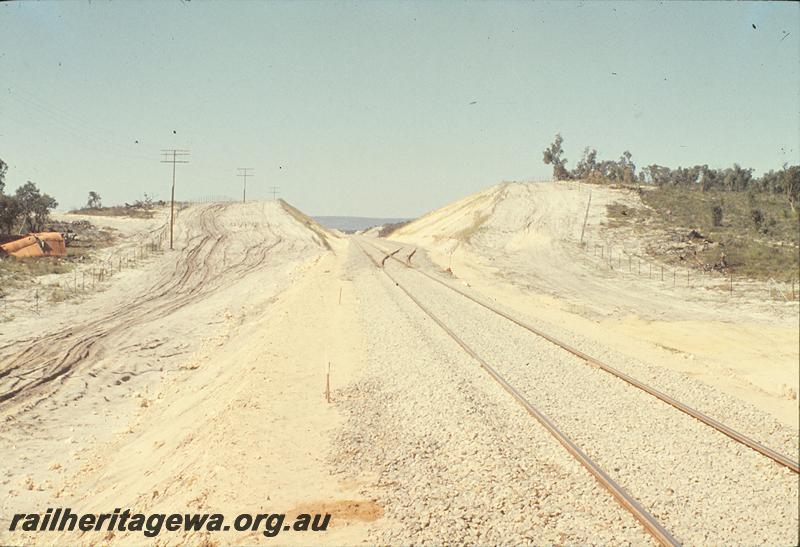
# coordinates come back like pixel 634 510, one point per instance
pixel 194 382
pixel 519 244
pixel 58 294
pixel 200 387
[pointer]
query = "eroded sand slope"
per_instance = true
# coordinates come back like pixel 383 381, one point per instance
pixel 192 384
pixel 520 243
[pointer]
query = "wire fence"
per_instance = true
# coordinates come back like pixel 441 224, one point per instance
pixel 618 260
pixel 84 279
pixel 211 198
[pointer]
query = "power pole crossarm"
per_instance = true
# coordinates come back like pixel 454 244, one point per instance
pixel 244 172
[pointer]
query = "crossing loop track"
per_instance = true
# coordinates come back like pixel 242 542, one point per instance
pixel 707 420
pixel 629 503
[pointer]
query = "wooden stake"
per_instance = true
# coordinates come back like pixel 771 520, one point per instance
pixel 328 384
pixel 340 296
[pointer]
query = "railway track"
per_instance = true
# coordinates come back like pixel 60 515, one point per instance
pixel 642 515
pixel 630 380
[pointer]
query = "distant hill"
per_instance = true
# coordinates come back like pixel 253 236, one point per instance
pixel 354 224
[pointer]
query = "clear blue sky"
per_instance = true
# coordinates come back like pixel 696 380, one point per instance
pixel 364 108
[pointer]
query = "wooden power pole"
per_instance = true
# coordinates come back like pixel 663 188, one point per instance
pixel 174 157
pixel 244 172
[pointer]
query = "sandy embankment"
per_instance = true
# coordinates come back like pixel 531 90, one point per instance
pixel 518 244
pixel 248 430
pixel 201 389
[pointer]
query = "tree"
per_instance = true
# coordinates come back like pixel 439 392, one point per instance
pixel 686 177
pixel 552 155
pixel 146 203
pixel 737 179
pixel 3 171
pixel 41 211
pixel 587 167
pixel 94 201
pixel 657 174
pixel 9 214
pixel 791 184
pixel 34 206
pixel 709 178
pixel 626 170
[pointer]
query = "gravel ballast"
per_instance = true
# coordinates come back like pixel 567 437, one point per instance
pixel 702 486
pixel 456 459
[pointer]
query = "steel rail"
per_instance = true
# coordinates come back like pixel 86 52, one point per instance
pixel 622 497
pixel 704 418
